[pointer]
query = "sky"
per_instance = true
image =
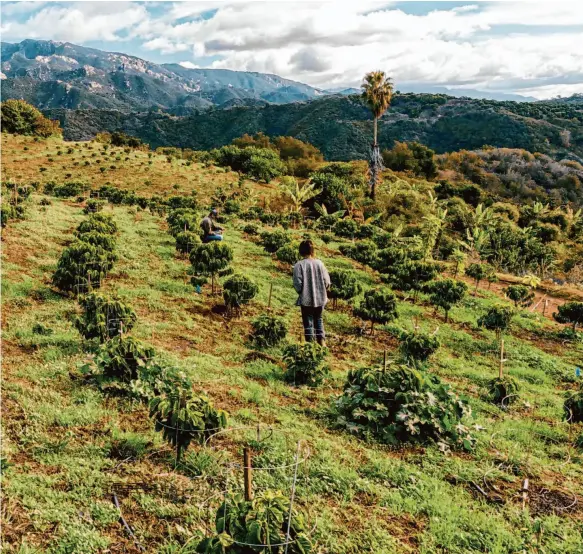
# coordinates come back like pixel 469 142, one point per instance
pixel 529 48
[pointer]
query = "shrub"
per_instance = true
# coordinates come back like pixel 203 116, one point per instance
pixel 186 241
pixel 99 222
pixel 445 294
pixel 122 357
pixel 251 229
pixel 403 405
pixel 102 240
pixel 304 364
pixel 479 272
pixel 239 290
pixel 268 330
pixel 378 306
pixel 503 390
pixel 344 285
pixel 521 295
pixel 496 319
pixel 289 253
pixel 104 317
pixel 232 206
pixel 570 312
pixel 363 251
pixel 416 348
pixel 412 275
pixel 210 259
pixel 93 206
pixel 347 228
pixel 272 241
pixel 573 408
pixel 183 416
pixel 66 190
pixel 20 118
pixel 263 520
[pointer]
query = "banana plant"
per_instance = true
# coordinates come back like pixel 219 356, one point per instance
pixel 298 195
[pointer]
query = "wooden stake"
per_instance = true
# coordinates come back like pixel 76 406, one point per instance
pixel 269 299
pixel 248 474
pixel 545 306
pixel 524 492
pixel 500 370
pixel 385 360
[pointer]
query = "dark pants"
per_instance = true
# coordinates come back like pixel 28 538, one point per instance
pixel 313 323
pixel 210 238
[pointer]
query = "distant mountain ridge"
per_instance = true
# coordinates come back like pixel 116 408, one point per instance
pixel 63 75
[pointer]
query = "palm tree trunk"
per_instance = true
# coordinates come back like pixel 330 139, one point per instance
pixel 375 132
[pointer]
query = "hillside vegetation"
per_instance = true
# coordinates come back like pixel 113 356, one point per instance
pixel 443 416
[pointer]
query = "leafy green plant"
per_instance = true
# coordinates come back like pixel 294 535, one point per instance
pixel 100 223
pixel 185 241
pixel 378 306
pixel 503 390
pixel 122 357
pixel 251 229
pixel 272 241
pixel 261 521
pixel 497 319
pixel 479 272
pixel 239 290
pixel 573 407
pixel 181 220
pixel 417 348
pixel 403 405
pixel 411 275
pixel 183 416
pixel 445 294
pixel 289 253
pixel 103 317
pixel 93 206
pixel 304 363
pixel 210 259
pixel 344 285
pixel 102 240
pixel 363 251
pixel 347 228
pixel 521 295
pixel 268 330
pixel 570 312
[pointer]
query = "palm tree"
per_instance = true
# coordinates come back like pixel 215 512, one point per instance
pixel 377 91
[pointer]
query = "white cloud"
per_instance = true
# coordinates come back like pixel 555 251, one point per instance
pixel 188 65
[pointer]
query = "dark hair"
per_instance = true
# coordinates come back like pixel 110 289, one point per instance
pixel 306 248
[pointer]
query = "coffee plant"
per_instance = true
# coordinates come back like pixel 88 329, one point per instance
pixel 503 390
pixel 445 294
pixel 183 416
pixel 268 330
pixel 304 364
pixel 272 241
pixel 573 407
pixel 208 260
pixel 347 228
pixel 183 219
pixel 103 317
pixel 105 241
pixel 497 319
pixel 411 275
pixel 121 358
pixel 93 206
pixel 239 290
pixel 289 253
pixel 344 285
pixel 363 251
pixel 521 295
pixel 378 306
pixel 403 405
pixel 417 348
pixel 100 223
pixel 571 313
pixel 186 241
pixel 261 521
pixel 478 272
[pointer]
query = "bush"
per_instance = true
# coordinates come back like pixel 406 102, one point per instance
pixel 122 357
pixel 268 330
pixel 66 190
pixel 497 319
pixel 181 220
pixel 210 259
pixel 521 295
pixel 186 241
pixel 479 272
pixel 102 240
pixel 239 290
pixel 104 317
pixel 445 294
pixel 251 229
pixel 344 285
pixel 363 251
pixel 184 416
pixel 347 228
pixel 412 275
pixel 378 306
pixel 93 206
pixel 403 405
pixel 101 223
pixel 570 312
pixel 232 206
pixel 289 253
pixel 573 408
pixel 416 348
pixel 20 118
pixel 263 520
pixel 272 241
pixel 304 364
pixel 503 390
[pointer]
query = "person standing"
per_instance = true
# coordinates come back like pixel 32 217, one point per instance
pixel 311 281
pixel 211 231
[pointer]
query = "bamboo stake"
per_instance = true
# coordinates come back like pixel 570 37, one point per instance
pixel 545 306
pixel 500 369
pixel 524 492
pixel 269 299
pixel 247 474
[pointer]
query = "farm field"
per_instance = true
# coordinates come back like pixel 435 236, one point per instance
pixel 70 446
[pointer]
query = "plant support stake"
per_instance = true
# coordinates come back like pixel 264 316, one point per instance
pixel 500 369
pixel 248 474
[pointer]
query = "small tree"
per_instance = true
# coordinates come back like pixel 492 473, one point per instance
pixel 503 390
pixel 344 285
pixel 363 251
pixel 378 306
pixel 238 290
pixel 497 319
pixel 268 330
pixel 445 294
pixel 289 253
pixel 186 241
pixel 122 358
pixel 347 228
pixel 184 416
pixel 103 317
pixel 412 275
pixel 479 272
pixel 210 259
pixel 100 223
pixel 521 295
pixel 272 241
pixel 570 312
pixel 459 258
pixel 417 348
pixel 304 364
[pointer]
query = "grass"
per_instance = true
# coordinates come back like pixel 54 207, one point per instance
pixel 68 447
